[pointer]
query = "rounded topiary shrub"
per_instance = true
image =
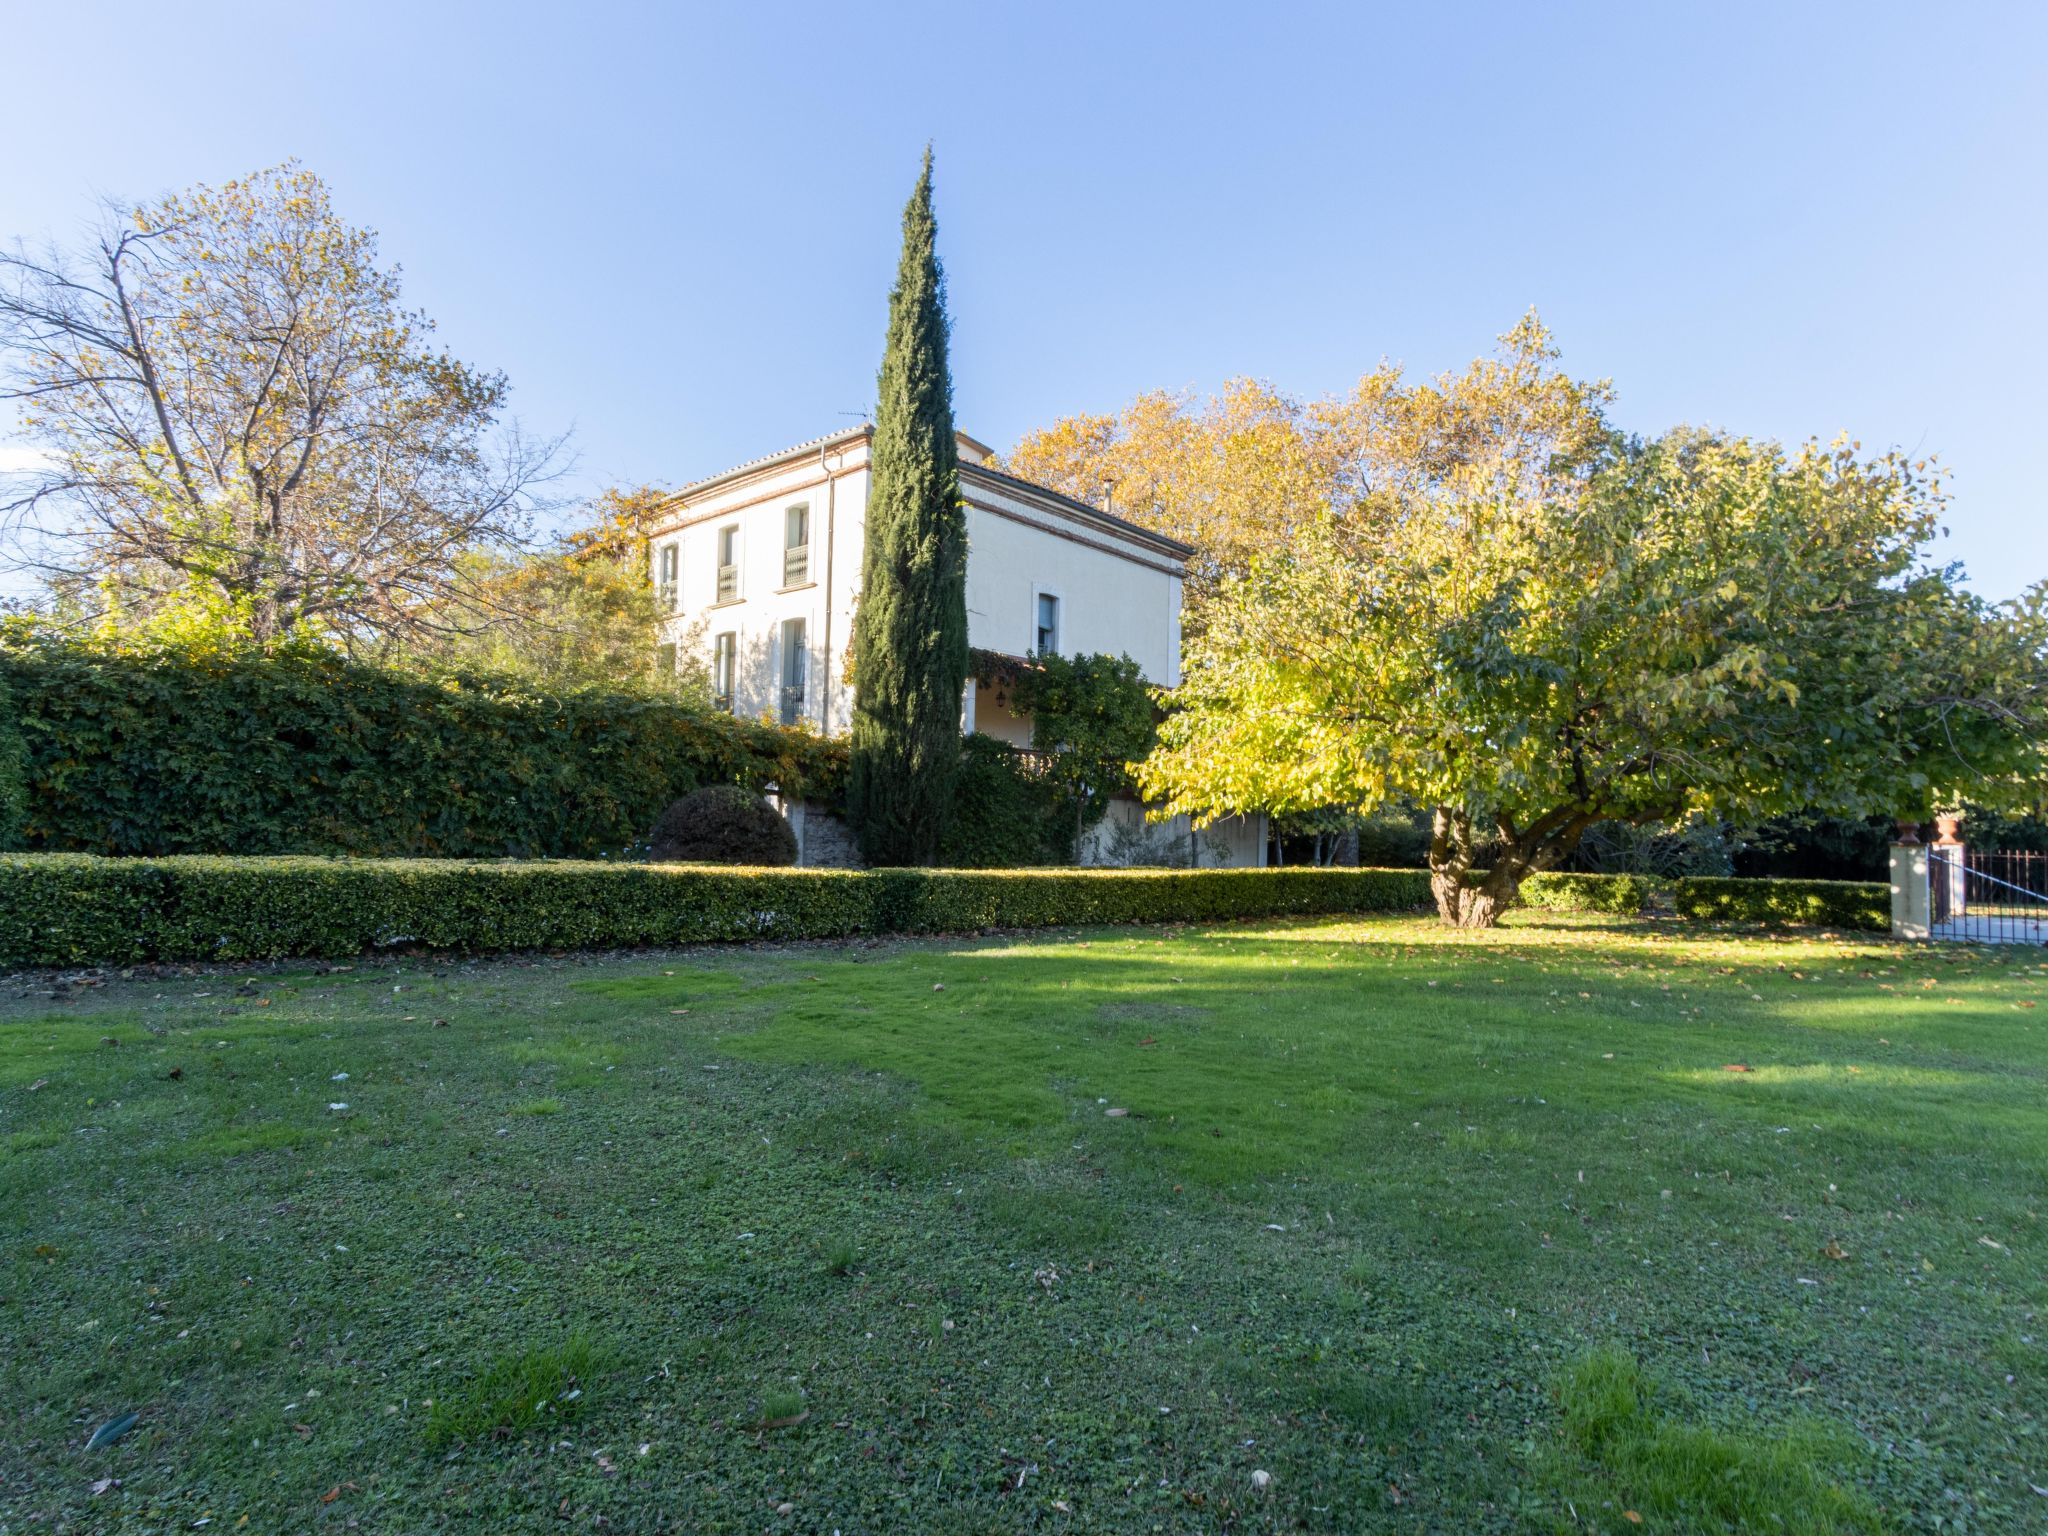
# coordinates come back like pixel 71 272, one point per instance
pixel 722 824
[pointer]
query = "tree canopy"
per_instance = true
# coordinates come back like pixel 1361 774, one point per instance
pixel 241 425
pixel 1239 474
pixel 1528 624
pixel 581 613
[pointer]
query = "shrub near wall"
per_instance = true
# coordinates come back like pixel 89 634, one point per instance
pixel 1853 904
pixel 303 752
pixel 74 909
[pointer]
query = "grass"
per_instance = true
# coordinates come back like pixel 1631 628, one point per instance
pixel 1620 1449
pixel 537 1385
pixel 1473 1233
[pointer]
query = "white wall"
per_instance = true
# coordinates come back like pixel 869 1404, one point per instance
pixel 1117 595
pixel 755 616
pixel 1111 601
pixel 1233 842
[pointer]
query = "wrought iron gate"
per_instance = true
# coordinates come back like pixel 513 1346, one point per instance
pixel 1988 898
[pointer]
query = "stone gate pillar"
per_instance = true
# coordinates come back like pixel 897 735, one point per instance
pixel 1911 917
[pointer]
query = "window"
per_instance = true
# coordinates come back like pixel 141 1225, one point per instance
pixel 725 655
pixel 728 563
pixel 1048 627
pixel 665 580
pixel 796 545
pixel 795 668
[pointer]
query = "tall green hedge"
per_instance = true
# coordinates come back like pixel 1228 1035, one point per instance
pixel 172 752
pixel 13 774
pixel 76 909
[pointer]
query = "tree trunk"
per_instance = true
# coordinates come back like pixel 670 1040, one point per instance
pixel 1473 898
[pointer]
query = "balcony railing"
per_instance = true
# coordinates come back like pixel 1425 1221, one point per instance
pixel 728 583
pixel 796 566
pixel 792 703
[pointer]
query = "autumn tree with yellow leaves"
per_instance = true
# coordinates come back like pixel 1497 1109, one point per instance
pixel 580 613
pixel 1474 595
pixel 1238 475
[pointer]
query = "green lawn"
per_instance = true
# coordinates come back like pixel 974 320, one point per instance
pixel 1069 1232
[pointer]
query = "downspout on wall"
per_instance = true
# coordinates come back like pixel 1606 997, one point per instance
pixel 831 548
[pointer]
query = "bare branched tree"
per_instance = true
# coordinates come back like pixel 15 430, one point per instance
pixel 238 420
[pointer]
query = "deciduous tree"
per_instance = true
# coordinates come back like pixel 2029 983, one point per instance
pixel 1238 474
pixel 1528 626
pixel 240 420
pixel 580 614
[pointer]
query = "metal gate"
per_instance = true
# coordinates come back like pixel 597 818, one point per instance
pixel 1988 898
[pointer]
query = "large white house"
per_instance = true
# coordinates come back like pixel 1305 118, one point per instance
pixel 760 566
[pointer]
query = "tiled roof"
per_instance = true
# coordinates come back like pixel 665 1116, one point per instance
pixel 844 435
pixel 1058 500
pixel 1083 509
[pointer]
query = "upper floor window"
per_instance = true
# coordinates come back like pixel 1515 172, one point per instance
pixel 725 655
pixel 796 545
pixel 729 563
pixel 1048 625
pixel 668 564
pixel 795 670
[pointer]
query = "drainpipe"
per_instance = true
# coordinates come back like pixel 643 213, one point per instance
pixel 831 544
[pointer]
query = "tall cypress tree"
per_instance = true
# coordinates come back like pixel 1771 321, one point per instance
pixel 910 630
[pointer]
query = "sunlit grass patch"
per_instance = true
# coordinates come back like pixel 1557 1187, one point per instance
pixel 514 1393
pixel 1624 1451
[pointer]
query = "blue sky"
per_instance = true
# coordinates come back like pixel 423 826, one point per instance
pixel 674 227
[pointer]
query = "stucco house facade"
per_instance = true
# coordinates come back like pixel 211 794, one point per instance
pixel 759 567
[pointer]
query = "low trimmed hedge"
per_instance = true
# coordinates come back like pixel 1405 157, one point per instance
pixel 1857 904
pixel 1625 895
pixel 81 909
pixel 78 909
